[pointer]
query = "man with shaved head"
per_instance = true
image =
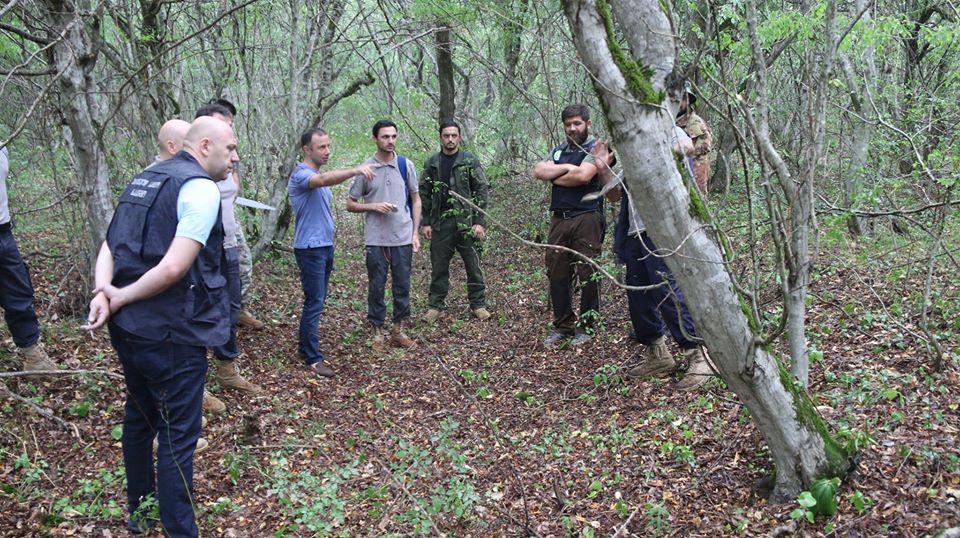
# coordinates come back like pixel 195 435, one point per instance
pixel 159 284
pixel 170 138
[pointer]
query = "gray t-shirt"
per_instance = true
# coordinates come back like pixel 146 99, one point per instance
pixel 393 229
pixel 228 193
pixel 4 168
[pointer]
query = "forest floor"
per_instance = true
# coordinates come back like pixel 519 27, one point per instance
pixel 481 431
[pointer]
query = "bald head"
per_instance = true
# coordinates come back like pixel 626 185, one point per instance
pixel 170 138
pixel 212 143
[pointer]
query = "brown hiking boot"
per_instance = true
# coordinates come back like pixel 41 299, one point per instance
pixel 482 313
pixel 213 404
pixel 379 341
pixel 699 370
pixel 35 358
pixel 431 316
pixel 247 320
pixel 229 378
pixel 398 338
pixel 656 361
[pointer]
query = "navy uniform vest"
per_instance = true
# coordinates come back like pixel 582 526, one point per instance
pixel 196 309
pixel 568 198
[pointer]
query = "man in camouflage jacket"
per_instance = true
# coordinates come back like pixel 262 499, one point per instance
pixel 699 132
pixel 449 224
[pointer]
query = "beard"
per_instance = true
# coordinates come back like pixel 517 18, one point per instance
pixel 579 138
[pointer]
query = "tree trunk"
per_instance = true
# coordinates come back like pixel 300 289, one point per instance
pixel 445 74
pixel 631 91
pixel 75 57
pixel 862 127
pixel 859 144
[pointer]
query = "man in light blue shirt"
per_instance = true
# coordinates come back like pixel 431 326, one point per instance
pixel 159 284
pixel 309 191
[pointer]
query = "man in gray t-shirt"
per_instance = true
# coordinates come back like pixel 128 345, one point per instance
pixel 16 290
pixel 391 208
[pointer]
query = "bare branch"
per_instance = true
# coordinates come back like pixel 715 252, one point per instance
pixel 46 413
pixel 24 34
pixel 47 373
pixel 27 72
pixel 351 89
pixel 10 5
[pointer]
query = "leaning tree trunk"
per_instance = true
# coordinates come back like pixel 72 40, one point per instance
pixel 631 90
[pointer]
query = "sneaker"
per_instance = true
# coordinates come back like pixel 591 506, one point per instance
pixel 656 361
pixel 379 341
pixel 213 404
pixel 431 316
pixel 35 358
pixel 320 369
pixel 699 370
pixel 482 313
pixel 398 338
pixel 555 338
pixel 229 377
pixel 580 338
pixel 247 320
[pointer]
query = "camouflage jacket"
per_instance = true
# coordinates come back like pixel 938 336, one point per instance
pixel 466 179
pixel 698 131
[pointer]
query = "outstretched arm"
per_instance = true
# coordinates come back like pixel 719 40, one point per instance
pixel 334 177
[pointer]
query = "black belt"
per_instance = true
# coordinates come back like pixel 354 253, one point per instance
pixel 5 227
pixel 571 213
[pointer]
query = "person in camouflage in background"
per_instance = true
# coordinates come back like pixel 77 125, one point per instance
pixel 449 224
pixel 699 131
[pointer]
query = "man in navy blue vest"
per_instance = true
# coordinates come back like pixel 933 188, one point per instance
pixel 159 282
pixel 573 170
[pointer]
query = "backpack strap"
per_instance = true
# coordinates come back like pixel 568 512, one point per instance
pixel 402 165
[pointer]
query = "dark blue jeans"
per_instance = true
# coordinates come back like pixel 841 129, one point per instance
pixel 16 294
pixel 650 310
pixel 231 350
pixel 164 400
pixel 315 264
pixel 398 261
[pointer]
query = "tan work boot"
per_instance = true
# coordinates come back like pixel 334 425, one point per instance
pixel 247 320
pixel 431 316
pixel 229 378
pixel 656 361
pixel 482 313
pixel 400 339
pixel 202 445
pixel 35 358
pixel 699 370
pixel 213 404
pixel 379 341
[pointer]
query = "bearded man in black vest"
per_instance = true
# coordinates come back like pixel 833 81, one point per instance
pixel 574 169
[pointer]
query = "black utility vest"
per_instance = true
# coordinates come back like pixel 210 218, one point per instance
pixel 196 309
pixel 568 198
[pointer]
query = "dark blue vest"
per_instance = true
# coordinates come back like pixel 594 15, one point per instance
pixel 568 198
pixel 196 309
